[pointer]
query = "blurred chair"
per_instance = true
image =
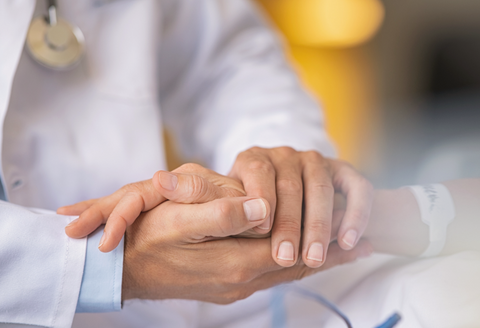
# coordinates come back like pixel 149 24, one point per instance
pixel 324 39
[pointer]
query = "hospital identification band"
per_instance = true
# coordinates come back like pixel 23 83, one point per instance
pixel 437 210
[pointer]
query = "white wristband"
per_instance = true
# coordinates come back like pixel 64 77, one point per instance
pixel 437 210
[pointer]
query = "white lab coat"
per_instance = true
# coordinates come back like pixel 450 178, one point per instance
pixel 210 70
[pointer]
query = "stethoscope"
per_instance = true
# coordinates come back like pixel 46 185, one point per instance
pixel 53 42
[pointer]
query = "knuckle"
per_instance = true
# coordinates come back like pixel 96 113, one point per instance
pixel 135 199
pixel 236 295
pixel 289 185
pixel 225 209
pixel 251 155
pixel 357 216
pixel 321 227
pixel 285 151
pixel 263 166
pixel 119 216
pixel 225 216
pixel 323 187
pixel 243 294
pixel 134 195
pixel 130 188
pixel 247 153
pixel 196 187
pixel 239 276
pixel 190 168
pixel 255 149
pixel 136 188
pixel 228 295
pixel 95 212
pixel 313 156
pixel 345 164
pixel 288 225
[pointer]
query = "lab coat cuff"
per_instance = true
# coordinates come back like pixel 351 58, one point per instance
pixel 101 289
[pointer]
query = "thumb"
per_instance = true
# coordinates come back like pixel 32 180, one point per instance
pixel 221 217
pixel 190 188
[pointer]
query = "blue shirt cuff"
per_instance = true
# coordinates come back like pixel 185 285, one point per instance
pixel 101 289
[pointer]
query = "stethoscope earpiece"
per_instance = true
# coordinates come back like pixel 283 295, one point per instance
pixel 53 42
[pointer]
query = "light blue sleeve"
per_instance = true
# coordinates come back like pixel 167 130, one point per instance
pixel 101 289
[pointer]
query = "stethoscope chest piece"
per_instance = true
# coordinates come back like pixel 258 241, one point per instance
pixel 56 45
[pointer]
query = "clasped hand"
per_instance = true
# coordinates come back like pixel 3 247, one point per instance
pixel 267 190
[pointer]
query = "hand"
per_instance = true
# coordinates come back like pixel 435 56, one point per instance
pixel 190 183
pixel 169 254
pixel 288 180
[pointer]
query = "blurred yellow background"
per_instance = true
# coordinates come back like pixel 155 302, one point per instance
pixel 398 81
pixel 324 40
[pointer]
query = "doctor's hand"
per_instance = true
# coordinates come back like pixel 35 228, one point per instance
pixel 183 251
pixel 304 182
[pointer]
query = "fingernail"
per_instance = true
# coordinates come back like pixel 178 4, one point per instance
pixel 350 238
pixel 255 209
pixel 72 222
pixel 168 181
pixel 365 252
pixel 102 240
pixel 285 251
pixel 315 252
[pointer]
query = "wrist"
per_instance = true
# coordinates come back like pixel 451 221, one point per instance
pixel 395 225
pixel 128 282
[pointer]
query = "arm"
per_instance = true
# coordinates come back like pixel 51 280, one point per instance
pixel 395 225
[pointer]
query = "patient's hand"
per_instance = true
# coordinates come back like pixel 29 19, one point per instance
pixel 190 184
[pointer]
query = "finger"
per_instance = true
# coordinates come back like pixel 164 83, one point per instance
pixel 219 218
pixel 76 209
pixel 92 217
pixel 359 195
pixel 336 256
pixel 188 188
pixel 122 216
pixel 286 230
pixel 97 214
pixel 318 202
pixel 257 173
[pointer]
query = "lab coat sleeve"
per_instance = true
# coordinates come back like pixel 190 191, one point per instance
pixel 233 87
pixel 40 268
pixel 101 289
